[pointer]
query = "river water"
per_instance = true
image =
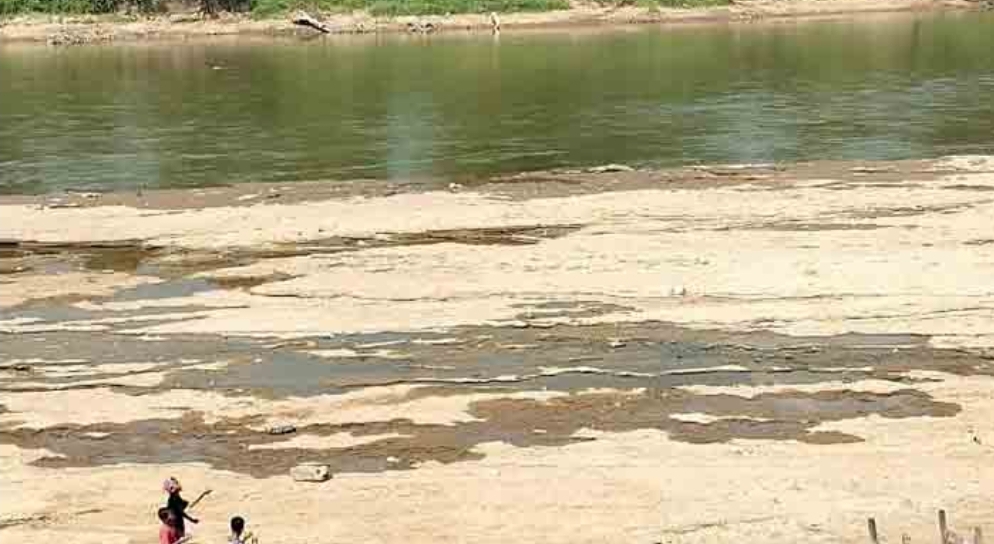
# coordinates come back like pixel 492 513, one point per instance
pixel 448 107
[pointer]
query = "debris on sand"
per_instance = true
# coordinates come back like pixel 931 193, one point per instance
pixel 310 472
pixel 302 18
pixel 610 168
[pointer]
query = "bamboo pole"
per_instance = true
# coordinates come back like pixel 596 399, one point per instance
pixel 943 528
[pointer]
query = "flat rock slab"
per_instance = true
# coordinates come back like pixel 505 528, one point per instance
pixel 281 429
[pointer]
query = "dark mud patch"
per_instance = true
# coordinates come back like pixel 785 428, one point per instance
pixel 910 211
pixel 511 236
pixel 45 519
pixel 140 257
pixel 85 380
pixel 523 423
pixel 655 358
pixel 503 236
pixel 178 267
pixel 13 266
pixel 94 347
pixel 748 177
pixel 521 186
pixel 968 187
pixel 797 226
pixel 574 309
pixel 7 523
pixel 558 358
pixel 121 256
pixel 247 282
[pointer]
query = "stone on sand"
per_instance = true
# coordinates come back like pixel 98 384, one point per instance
pixel 310 472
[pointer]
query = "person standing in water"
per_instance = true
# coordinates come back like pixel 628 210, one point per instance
pixel 178 506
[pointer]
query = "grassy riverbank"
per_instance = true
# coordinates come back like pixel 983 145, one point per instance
pixel 274 8
pixel 271 8
pixel 72 22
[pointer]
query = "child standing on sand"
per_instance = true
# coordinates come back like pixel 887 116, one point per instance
pixel 238 534
pixel 177 506
pixel 168 534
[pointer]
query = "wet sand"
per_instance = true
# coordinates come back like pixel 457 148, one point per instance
pixel 727 353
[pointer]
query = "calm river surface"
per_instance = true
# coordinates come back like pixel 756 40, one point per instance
pixel 448 107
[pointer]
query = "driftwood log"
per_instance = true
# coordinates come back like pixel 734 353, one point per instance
pixel 302 18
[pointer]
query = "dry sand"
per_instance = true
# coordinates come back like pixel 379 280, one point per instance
pixel 749 357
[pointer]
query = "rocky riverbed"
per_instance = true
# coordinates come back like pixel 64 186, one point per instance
pixel 746 352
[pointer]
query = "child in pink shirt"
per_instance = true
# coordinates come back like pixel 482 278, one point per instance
pixel 168 533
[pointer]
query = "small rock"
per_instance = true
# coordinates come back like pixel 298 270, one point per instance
pixel 608 168
pixel 310 473
pixel 281 429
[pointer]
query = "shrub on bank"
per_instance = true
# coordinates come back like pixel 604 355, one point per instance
pixel 265 8
pixel 269 8
pixel 76 7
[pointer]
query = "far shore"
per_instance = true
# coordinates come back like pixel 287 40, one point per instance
pixel 76 30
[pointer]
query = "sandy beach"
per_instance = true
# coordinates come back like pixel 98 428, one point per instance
pixel 749 353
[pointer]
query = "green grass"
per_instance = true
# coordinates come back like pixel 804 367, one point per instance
pixel 70 7
pixel 273 8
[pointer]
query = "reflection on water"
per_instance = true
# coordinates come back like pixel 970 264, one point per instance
pixel 190 114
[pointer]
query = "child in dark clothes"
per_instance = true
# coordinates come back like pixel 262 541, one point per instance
pixel 177 506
